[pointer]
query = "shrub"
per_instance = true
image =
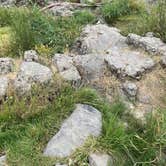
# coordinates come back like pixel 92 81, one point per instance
pixel 111 11
pixel 33 28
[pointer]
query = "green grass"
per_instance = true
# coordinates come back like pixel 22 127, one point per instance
pixel 143 22
pixel 31 28
pixel 111 11
pixel 27 124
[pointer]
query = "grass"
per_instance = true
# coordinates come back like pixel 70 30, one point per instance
pixel 27 124
pixel 141 23
pixel 31 28
pixel 111 11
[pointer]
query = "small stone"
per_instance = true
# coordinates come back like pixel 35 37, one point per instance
pixel 84 122
pixel 130 89
pixel 31 55
pixel 66 68
pixel 6 65
pixel 163 61
pixel 4 83
pixel 100 160
pixel 3 160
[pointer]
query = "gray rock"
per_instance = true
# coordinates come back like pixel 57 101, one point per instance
pixel 85 121
pixel 4 83
pixel 31 55
pixel 6 65
pixel 100 160
pixel 7 3
pixel 35 72
pixel 60 165
pixel 163 61
pixel 3 160
pixel 67 70
pixel 63 9
pixel 31 72
pixel 150 44
pixel 130 89
pixel 98 39
pixel 90 66
pixel 129 63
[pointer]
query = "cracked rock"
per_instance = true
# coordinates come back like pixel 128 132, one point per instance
pixel 129 64
pixel 149 43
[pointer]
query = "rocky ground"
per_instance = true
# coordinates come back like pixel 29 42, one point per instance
pixel 130 67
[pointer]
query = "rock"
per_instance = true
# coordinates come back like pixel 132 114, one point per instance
pixel 31 55
pixel 35 72
pixel 130 89
pixel 163 61
pixel 98 39
pixel 60 165
pixel 150 44
pixel 7 3
pixel 4 83
pixel 129 63
pixel 100 160
pixel 3 160
pixel 90 66
pixel 66 68
pixel 31 72
pixel 6 65
pixel 65 9
pixel 85 121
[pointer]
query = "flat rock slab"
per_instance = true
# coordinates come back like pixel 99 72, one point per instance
pixel 96 159
pixel 85 121
pixel 4 83
pixel 150 44
pixel 97 39
pixel 90 66
pixel 6 65
pixel 129 64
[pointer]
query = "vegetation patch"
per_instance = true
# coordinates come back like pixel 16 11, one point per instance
pixel 31 28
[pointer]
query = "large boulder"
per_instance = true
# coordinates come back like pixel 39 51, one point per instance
pixel 150 44
pixel 129 63
pixel 6 65
pixel 98 39
pixel 85 121
pixel 96 159
pixel 66 68
pixel 29 73
pixel 90 66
